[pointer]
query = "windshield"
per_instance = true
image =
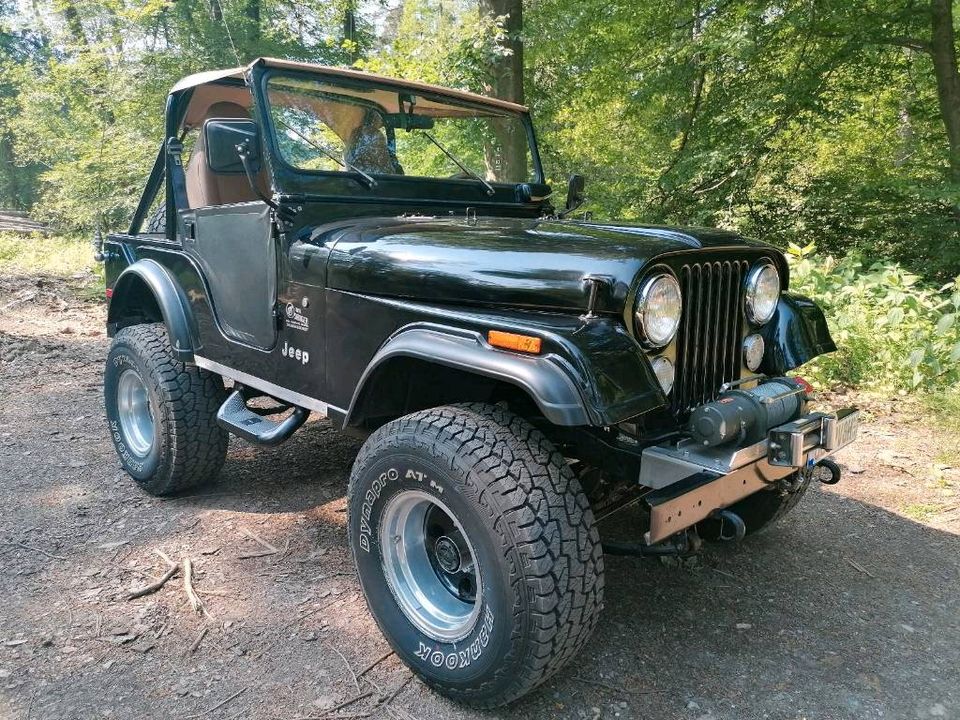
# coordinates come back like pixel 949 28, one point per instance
pixel 324 127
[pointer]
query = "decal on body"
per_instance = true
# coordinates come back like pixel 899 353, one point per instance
pixel 296 318
pixel 289 351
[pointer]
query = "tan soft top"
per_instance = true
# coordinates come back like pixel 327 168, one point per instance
pixel 239 72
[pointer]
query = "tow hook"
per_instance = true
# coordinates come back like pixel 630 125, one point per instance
pixel 729 520
pixel 827 472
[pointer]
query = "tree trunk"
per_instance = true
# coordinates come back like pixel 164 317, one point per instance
pixel 696 93
pixel 252 12
pixel 350 32
pixel 943 49
pixel 506 157
pixel 72 19
pixel 10 194
pixel 506 71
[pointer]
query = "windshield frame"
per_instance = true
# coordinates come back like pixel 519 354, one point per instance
pixel 270 130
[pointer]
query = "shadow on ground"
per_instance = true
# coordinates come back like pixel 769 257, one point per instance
pixel 843 611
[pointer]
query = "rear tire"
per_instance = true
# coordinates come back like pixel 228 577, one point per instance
pixel 762 509
pixel 162 413
pixel 157 221
pixel 476 550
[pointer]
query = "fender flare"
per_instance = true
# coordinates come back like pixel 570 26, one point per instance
pixel 173 304
pixel 544 377
pixel 797 333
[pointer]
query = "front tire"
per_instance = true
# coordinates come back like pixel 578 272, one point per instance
pixel 162 413
pixel 476 550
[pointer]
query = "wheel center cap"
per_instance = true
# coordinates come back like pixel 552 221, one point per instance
pixel 448 554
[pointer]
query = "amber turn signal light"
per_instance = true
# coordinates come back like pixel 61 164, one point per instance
pixel 512 341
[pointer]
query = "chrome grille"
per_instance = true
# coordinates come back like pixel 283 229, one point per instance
pixel 711 331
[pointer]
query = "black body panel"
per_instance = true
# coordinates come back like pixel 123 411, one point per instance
pixel 321 290
pixel 535 264
pixel 797 334
pixel 145 281
pixel 606 365
pixel 236 250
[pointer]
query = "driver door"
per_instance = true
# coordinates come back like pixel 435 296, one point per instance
pixel 229 232
pixel 235 248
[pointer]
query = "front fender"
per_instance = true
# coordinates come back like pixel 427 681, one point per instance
pixel 146 283
pixel 590 371
pixel 797 334
pixel 541 377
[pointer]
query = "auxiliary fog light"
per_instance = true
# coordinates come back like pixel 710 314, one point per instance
pixel 663 369
pixel 753 352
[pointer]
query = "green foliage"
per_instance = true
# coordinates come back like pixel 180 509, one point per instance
pixel 787 121
pixel 83 86
pixel 892 330
pixel 37 254
pixel 87 124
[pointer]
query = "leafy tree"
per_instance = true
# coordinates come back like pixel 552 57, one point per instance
pixel 802 120
pixel 18 179
pixel 829 120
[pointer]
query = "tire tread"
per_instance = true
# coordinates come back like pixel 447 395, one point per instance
pixel 190 398
pixel 537 500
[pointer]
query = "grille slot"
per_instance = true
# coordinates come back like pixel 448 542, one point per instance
pixel 711 328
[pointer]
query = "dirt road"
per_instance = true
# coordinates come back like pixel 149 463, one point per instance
pixel 850 609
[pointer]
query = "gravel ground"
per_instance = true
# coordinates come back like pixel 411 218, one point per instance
pixel 849 609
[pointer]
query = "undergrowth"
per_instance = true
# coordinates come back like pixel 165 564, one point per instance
pixel 47 255
pixel 892 331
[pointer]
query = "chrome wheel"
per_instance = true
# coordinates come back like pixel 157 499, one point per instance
pixel 135 412
pixel 430 566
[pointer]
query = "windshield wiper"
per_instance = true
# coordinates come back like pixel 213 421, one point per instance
pixel 370 182
pixel 464 168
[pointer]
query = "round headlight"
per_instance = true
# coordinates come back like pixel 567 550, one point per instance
pixel 658 310
pixel 753 352
pixel 664 371
pixel 763 293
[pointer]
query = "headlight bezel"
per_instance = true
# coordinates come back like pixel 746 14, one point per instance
pixel 643 299
pixel 751 288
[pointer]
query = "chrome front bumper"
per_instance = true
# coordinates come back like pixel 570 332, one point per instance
pixel 690 482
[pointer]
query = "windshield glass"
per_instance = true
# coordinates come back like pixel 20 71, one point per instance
pixel 384 131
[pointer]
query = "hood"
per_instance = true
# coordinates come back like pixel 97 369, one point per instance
pixel 534 264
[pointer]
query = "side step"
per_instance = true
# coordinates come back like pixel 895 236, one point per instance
pixel 236 417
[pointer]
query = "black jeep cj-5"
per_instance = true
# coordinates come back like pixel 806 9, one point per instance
pixel 385 253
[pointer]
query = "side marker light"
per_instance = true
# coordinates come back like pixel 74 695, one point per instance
pixel 512 341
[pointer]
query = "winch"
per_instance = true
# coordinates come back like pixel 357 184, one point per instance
pixel 745 416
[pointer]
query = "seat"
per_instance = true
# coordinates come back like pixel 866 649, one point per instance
pixel 368 150
pixel 206 188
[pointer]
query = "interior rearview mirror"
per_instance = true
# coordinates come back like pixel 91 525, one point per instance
pixel 409 121
pixel 575 196
pixel 223 138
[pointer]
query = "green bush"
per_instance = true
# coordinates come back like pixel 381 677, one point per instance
pixel 891 330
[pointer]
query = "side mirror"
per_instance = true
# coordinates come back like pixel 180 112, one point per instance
pixel 222 139
pixel 575 194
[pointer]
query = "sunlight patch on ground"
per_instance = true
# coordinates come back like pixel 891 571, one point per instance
pixel 62 495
